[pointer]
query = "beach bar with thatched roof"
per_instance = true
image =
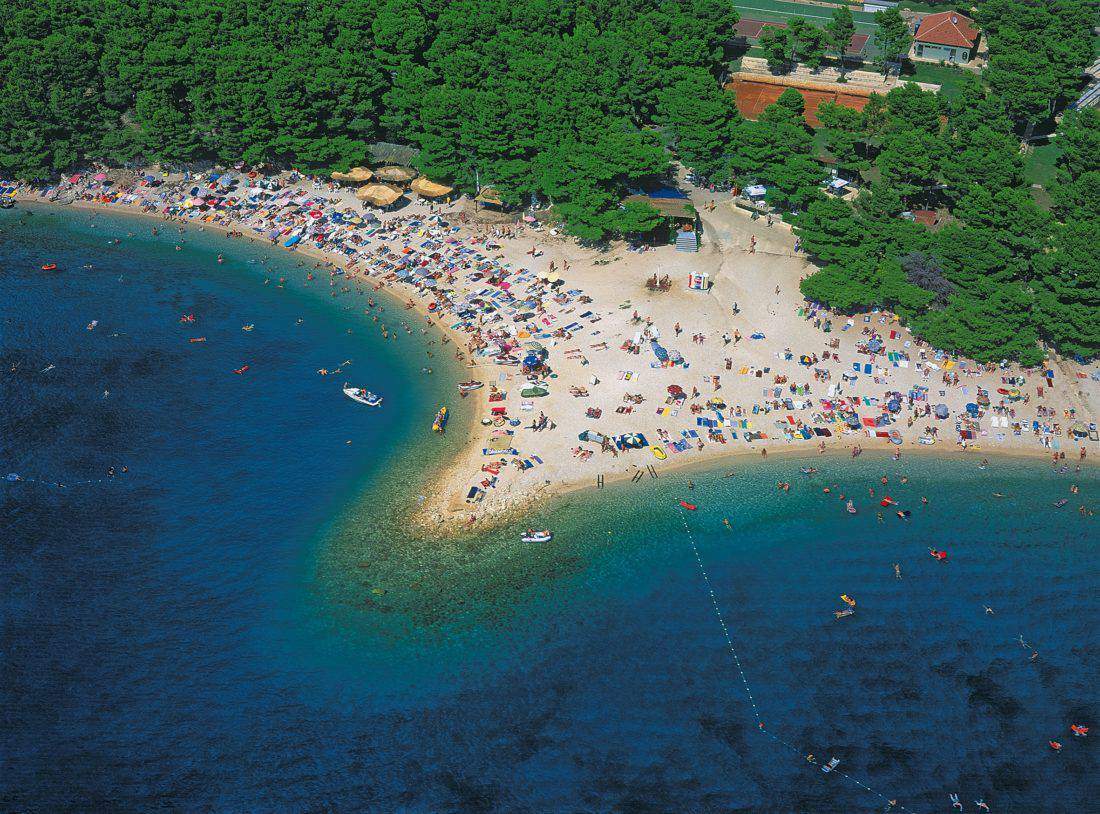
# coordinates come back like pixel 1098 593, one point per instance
pixel 395 174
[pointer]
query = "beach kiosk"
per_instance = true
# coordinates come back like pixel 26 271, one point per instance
pixel 698 281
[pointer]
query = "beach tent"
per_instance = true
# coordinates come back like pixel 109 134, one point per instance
pixel 429 189
pixel 394 174
pixel 379 194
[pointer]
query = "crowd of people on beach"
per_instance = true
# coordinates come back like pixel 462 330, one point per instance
pixel 524 324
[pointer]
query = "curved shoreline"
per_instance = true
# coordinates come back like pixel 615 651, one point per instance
pixel 444 506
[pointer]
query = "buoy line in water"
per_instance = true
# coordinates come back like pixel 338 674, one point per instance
pixel 890 802
pixel 13 477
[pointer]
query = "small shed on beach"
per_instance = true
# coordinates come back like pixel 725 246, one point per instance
pixel 670 206
pixel 679 214
pixel 381 195
pixel 429 189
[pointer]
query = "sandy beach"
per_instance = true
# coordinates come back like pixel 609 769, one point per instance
pixel 749 368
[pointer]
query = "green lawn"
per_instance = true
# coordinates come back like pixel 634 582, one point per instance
pixel 1040 164
pixel 947 77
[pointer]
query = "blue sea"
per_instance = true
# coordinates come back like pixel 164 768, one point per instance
pixel 243 620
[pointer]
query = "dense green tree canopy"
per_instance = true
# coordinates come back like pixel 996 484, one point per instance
pixel 1003 272
pixel 547 98
pixel 1036 52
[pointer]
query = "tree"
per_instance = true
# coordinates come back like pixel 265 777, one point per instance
pixel 810 42
pixel 892 36
pixel 842 128
pixel 1076 191
pixel 924 271
pixel 779 47
pixel 1037 51
pixel 832 232
pixel 702 117
pixel 995 324
pixel 1067 289
pixel 841 28
pixel 910 161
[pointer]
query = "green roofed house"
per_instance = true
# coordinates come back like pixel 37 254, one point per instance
pixel 945 37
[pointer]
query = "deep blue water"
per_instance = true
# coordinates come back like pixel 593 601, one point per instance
pixel 242 621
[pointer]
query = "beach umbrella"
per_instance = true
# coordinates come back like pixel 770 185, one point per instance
pixel 875 345
pixel 379 194
pixel 489 196
pixel 972 409
pixel 74 179
pixel 356 175
pixel 942 411
pixel 100 176
pixel 395 174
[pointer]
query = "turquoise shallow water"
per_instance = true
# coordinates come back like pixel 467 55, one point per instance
pixel 244 621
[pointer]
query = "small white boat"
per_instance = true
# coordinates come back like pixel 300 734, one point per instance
pixel 832 764
pixel 851 507
pixel 532 536
pixel 362 396
pixel 470 386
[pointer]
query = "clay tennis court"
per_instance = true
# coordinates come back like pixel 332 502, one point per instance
pixel 756 93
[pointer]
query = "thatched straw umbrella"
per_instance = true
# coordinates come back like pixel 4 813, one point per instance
pixel 397 175
pixel 429 189
pixel 490 196
pixel 379 194
pixel 356 175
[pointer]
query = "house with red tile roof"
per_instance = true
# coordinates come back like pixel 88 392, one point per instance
pixel 946 36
